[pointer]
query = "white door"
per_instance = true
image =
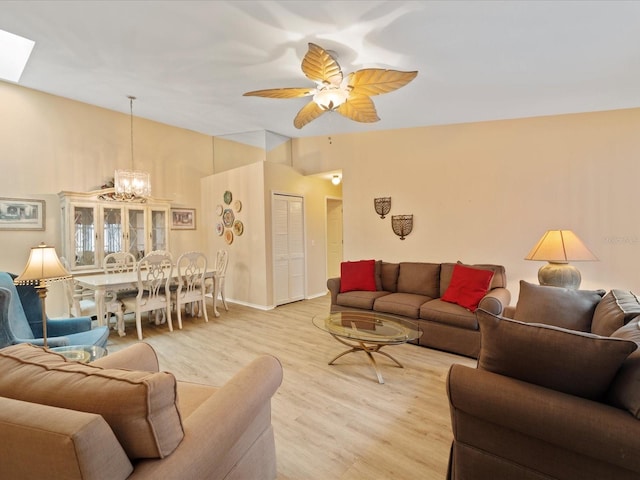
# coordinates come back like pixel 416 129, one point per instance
pixel 334 237
pixel 288 248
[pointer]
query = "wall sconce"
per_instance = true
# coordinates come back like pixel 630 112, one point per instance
pixel 382 205
pixel 402 225
pixel 336 179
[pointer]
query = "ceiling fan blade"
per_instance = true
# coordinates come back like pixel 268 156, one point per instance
pixel 375 81
pixel 318 65
pixel 359 108
pixel 282 93
pixel 309 112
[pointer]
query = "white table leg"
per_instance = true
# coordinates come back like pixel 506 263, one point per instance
pixel 101 310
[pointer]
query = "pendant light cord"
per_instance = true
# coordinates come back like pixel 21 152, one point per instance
pixel 131 99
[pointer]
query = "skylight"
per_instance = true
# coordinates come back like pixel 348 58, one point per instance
pixel 14 53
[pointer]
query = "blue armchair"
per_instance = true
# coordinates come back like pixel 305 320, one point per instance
pixel 21 320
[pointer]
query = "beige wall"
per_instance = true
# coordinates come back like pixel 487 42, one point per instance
pixel 486 192
pixel 49 144
pixel 480 192
pixel 250 272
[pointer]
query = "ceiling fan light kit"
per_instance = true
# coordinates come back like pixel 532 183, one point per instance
pixel 350 96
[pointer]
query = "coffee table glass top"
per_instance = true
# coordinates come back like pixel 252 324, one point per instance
pixel 368 326
pixel 81 353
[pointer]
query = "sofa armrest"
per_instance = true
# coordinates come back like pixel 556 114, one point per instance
pixel 571 423
pixel 509 311
pixel 222 424
pixel 333 284
pixel 41 441
pixel 495 300
pixel 139 356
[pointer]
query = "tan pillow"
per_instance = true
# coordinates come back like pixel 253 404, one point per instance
pixel 419 278
pixel 562 307
pixel 568 361
pixel 140 407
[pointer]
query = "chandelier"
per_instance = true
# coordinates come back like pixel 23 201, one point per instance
pixel 131 184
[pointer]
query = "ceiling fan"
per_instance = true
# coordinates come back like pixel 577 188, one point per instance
pixel 349 96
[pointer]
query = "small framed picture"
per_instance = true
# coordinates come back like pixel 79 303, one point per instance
pixel 183 219
pixel 22 214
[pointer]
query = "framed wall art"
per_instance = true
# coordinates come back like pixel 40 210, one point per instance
pixel 22 214
pixel 183 219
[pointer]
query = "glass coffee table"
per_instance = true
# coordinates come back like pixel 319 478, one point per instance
pixel 81 353
pixel 367 332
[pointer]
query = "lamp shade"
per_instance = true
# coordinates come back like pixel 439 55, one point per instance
pixel 43 266
pixel 560 246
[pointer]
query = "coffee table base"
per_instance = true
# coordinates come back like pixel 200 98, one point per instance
pixel 370 349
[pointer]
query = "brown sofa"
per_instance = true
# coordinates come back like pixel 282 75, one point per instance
pixel 549 402
pixel 119 417
pixel 414 290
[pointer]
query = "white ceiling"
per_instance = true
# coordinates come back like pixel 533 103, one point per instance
pixel 189 62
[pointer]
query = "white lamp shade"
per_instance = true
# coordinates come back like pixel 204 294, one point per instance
pixel 43 265
pixel 560 246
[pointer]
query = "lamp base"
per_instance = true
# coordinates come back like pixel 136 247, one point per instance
pixel 559 275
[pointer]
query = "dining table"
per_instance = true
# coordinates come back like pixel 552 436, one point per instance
pixel 111 283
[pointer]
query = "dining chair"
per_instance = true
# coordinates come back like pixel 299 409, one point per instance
pixel 222 260
pixel 119 262
pixel 80 302
pixel 154 272
pixel 192 267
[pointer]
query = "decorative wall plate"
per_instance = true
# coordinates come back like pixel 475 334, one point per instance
pixel 219 228
pixel 237 205
pixel 238 227
pixel 218 210
pixel 228 236
pixel 228 196
pixel 228 217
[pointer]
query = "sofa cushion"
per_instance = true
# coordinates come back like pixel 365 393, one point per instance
pixel 568 361
pixel 419 278
pixel 562 307
pixel 359 299
pixel 499 279
pixel 140 407
pixel 624 391
pixel 615 310
pixel 467 287
pixel 405 304
pixel 377 275
pixel 448 314
pixel 389 276
pixel 358 275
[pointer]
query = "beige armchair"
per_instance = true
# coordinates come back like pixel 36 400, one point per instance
pixel 128 413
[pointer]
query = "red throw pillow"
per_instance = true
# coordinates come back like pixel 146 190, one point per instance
pixel 360 275
pixel 468 286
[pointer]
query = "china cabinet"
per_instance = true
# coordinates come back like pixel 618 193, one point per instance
pixel 96 223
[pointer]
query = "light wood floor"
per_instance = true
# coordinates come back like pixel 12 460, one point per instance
pixel 330 422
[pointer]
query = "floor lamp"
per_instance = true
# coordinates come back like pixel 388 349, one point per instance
pixel 558 248
pixel 43 267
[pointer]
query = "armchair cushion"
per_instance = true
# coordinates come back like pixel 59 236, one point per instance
pixel 140 407
pixel 625 389
pixel 562 307
pixel 615 310
pixel 568 361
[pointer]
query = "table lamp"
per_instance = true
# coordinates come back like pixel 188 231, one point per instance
pixel 43 267
pixel 559 247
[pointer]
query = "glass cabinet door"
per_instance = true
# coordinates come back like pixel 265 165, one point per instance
pixel 136 232
pixel 84 236
pixel 159 222
pixel 113 228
